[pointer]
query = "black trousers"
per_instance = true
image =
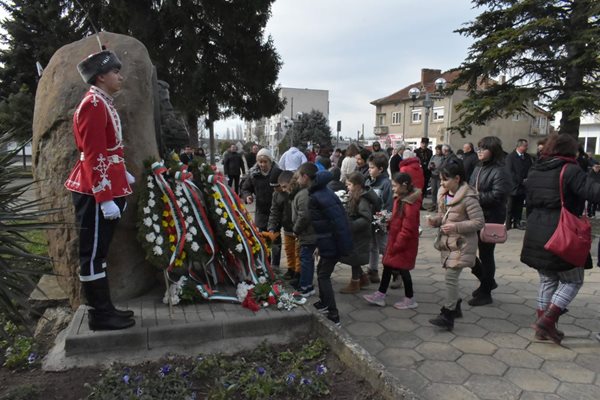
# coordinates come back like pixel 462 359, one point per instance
pixel 488 266
pixel 234 182
pixel 324 271
pixel 515 210
pixel 386 277
pixel 95 235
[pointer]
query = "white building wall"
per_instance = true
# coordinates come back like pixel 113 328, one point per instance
pixel 297 101
pixel 589 133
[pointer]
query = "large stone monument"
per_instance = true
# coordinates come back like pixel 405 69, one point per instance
pixel 54 153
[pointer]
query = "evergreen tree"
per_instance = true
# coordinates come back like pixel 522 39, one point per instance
pixel 309 127
pixel 548 48
pixel 32 33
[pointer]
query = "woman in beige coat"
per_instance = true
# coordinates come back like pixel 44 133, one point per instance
pixel 459 218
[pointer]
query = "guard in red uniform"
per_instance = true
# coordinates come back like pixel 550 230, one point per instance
pixel 99 183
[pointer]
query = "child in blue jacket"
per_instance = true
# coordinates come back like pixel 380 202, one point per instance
pixel 332 231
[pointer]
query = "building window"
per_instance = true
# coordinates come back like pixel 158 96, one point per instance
pixel 416 116
pixel 396 118
pixel 438 114
pixel 380 119
pixel 516 117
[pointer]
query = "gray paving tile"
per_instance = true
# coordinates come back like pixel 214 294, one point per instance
pixel 540 396
pixel 568 372
pixel 434 334
pixel 468 330
pixel 372 314
pixel 410 378
pixel 589 361
pixel 493 388
pixel 550 351
pixel 484 365
pixel 518 358
pixel 532 380
pixel 364 329
pixel 438 351
pixel 507 340
pixel 399 358
pixel 497 325
pixel 579 391
pixel 438 391
pixel 443 371
pixel 399 324
pixel 474 345
pixel 371 345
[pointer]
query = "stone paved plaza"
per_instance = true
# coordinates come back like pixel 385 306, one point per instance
pixel 491 354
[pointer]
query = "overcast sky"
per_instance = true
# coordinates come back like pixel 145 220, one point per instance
pixel 362 50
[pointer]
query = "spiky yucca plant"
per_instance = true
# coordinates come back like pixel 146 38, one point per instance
pixel 18 217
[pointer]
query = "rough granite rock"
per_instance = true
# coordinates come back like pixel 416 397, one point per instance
pixel 54 154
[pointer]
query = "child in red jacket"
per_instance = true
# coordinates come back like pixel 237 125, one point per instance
pixel 403 242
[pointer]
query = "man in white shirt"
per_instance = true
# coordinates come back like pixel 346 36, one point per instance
pixel 292 159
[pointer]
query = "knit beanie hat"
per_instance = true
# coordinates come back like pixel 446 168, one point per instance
pixel 98 64
pixel 264 153
pixel 407 154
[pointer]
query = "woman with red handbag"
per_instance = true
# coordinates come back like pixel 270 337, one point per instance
pixel 491 182
pixel 555 186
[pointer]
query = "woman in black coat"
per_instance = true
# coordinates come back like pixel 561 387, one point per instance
pixel 559 281
pixel 490 180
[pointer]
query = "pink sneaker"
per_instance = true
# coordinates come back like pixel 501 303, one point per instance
pixel 406 304
pixel 376 298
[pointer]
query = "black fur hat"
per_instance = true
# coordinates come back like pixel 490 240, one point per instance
pixel 97 64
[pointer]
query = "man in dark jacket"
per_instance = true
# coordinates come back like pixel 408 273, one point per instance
pixel 251 157
pixel 233 167
pixel 334 238
pixel 517 166
pixel 424 154
pixel 469 159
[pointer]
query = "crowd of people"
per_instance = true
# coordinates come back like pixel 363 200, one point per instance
pixel 304 193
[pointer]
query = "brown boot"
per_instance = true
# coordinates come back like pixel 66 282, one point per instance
pixel 353 287
pixel 540 335
pixel 546 324
pixel 374 276
pixel 364 281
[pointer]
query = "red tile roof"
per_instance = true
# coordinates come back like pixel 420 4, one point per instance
pixel 402 94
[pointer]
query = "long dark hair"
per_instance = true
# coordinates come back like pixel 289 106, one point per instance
pixel 494 145
pixel 356 178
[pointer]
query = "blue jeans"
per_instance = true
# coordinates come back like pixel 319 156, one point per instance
pixel 377 247
pixel 307 264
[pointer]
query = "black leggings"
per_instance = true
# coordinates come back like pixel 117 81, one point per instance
pixel 386 277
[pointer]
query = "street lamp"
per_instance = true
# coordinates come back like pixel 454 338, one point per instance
pixel 415 93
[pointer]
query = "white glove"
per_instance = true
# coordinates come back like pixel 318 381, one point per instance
pixel 110 210
pixel 130 178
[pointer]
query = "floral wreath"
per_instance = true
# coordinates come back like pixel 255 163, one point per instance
pixel 193 224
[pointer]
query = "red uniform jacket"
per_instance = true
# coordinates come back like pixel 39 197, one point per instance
pixel 412 166
pixel 403 235
pixel 100 170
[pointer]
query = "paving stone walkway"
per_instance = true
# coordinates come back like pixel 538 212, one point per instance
pixel 491 354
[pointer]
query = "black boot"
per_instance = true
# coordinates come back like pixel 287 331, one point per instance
pixel 457 311
pixel 483 294
pixel 445 319
pixel 295 282
pixel 478 290
pixel 102 286
pixel 102 315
